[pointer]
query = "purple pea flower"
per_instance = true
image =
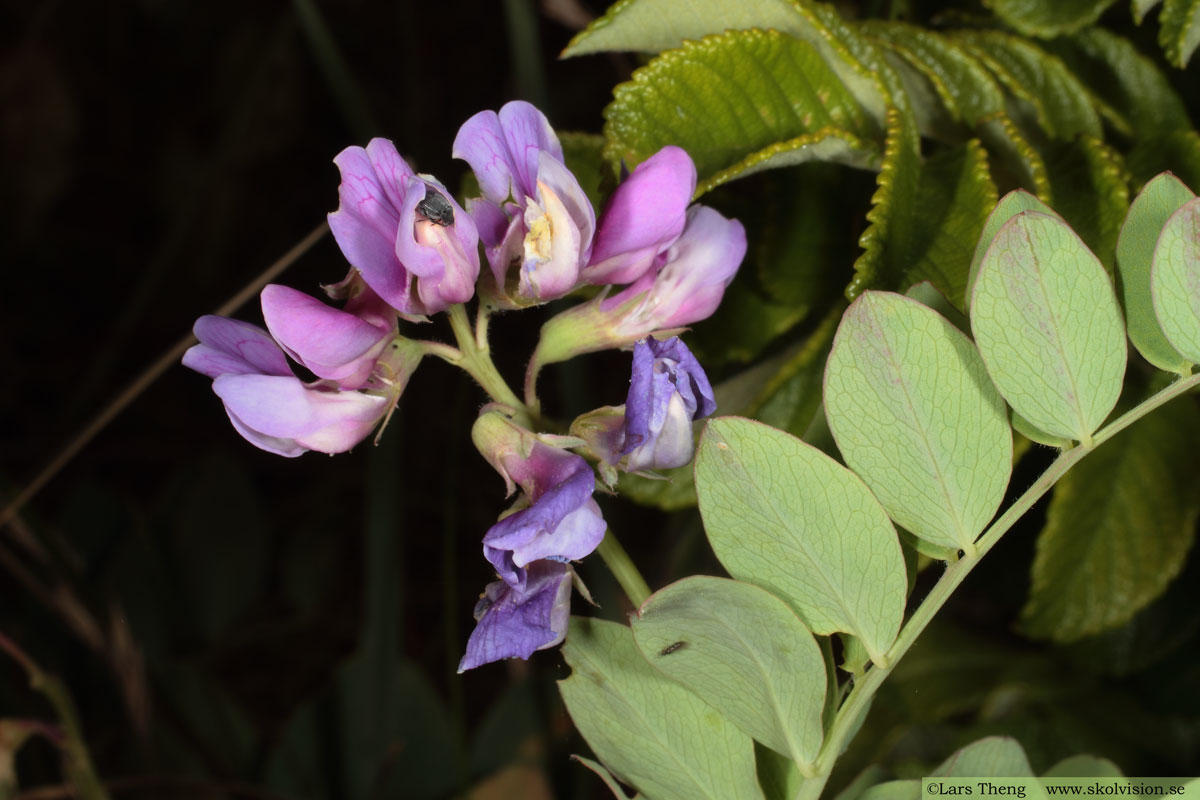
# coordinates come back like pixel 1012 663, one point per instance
pixel 513 623
pixel 533 211
pixel 417 264
pixel 644 216
pixel 527 608
pixel 667 392
pixel 562 522
pixel 685 285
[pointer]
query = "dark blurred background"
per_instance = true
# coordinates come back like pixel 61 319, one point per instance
pixel 218 612
pixel 234 624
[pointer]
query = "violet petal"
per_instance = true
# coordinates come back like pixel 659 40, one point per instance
pixel 512 623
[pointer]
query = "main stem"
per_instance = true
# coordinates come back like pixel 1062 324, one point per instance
pixel 622 567
pixel 859 700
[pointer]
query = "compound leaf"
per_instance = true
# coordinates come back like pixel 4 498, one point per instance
pixel 1179 30
pixel 739 102
pixel 1047 20
pixel 653 26
pixel 1061 105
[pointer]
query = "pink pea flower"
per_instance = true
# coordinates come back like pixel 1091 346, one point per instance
pixel 276 411
pixel 533 211
pixel 412 242
pixel 644 216
pixel 685 285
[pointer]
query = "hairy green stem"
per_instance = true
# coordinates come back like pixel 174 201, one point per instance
pixel 474 356
pixel 623 569
pixel 858 702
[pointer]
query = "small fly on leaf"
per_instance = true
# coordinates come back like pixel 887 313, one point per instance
pixel 436 208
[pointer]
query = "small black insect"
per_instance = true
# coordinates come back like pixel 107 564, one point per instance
pixel 436 208
pixel 671 648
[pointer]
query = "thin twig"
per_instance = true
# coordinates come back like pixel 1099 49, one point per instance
pixel 149 376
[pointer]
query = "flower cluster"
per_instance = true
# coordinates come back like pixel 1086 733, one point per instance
pixel 414 251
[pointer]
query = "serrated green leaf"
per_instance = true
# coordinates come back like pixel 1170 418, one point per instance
pixel 1179 30
pixel 1009 206
pixel 653 26
pixel 650 732
pixel 993 757
pixel 925 217
pixel 584 156
pixel 1091 192
pixel 783 515
pixel 1175 151
pixel 1061 105
pixel 795 224
pixel 1014 162
pixel 915 415
pixel 746 653
pixel 743 326
pixel 1150 211
pixel 739 102
pixel 1084 766
pixel 1047 20
pixel 791 397
pixel 968 91
pixel 1047 323
pixel 1175 280
pixel 1141 8
pixel 1118 529
pixel 1131 85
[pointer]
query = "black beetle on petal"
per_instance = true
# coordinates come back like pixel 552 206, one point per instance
pixel 436 208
